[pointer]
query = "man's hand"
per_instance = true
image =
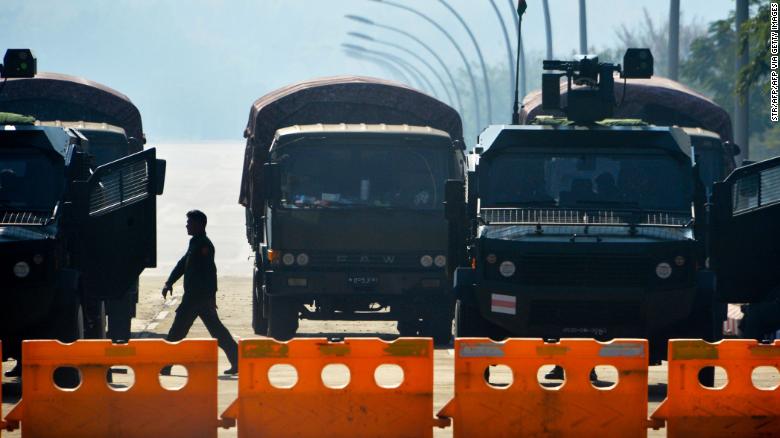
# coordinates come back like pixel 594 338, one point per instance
pixel 167 289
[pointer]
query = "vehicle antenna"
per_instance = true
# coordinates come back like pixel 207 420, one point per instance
pixel 521 7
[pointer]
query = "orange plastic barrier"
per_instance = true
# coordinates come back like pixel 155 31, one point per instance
pixel 525 408
pixel 311 409
pixel 94 409
pixel 738 409
pixel 2 423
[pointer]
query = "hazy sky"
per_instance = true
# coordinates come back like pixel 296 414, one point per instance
pixel 194 67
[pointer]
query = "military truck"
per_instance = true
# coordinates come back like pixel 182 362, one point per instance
pixel 343 187
pixel 77 220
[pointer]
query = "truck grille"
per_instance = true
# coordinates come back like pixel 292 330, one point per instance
pixel 365 260
pixel 23 217
pixel 581 270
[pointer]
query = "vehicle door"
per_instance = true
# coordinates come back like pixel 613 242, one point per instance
pixel 745 246
pixel 118 236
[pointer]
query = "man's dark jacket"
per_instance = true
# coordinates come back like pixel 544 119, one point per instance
pixel 199 270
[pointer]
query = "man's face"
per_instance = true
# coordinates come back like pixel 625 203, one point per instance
pixel 193 227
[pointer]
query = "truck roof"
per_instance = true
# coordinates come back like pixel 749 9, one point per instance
pixel 54 96
pixel 360 128
pixel 83 126
pixel 331 101
pixel 658 100
pixel 496 138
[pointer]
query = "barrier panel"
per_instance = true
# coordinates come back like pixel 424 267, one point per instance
pixel 527 408
pixel 738 409
pixel 303 406
pixel 97 409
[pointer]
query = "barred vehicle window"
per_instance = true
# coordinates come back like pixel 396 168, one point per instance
pixel 745 193
pixel 119 186
pixel 770 186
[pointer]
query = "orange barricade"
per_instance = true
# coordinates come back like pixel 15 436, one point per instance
pixel 94 409
pixel 526 408
pixel 738 409
pixel 2 423
pixel 309 408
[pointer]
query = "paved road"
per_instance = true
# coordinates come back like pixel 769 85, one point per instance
pixel 155 317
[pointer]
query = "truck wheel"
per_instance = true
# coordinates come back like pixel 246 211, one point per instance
pixel 259 322
pixel 282 318
pixel 408 326
pixel 68 326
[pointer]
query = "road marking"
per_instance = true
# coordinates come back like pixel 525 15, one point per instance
pixel 160 316
pixel 151 326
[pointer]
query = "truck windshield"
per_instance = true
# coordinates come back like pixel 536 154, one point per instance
pixel 650 181
pixel 358 175
pixel 29 180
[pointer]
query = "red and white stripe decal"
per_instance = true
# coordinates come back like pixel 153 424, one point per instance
pixel 503 304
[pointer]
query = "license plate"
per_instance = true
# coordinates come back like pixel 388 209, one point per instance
pixel 362 280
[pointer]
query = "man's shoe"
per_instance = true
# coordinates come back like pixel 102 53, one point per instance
pixel 166 370
pixel 555 374
pixel 232 371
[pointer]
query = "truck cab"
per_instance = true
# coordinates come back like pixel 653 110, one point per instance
pixel 582 232
pixel 355 226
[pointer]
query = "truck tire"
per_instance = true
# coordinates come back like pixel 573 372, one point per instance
pixel 67 326
pixel 259 322
pixel 282 318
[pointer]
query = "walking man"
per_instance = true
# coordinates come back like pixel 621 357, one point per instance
pixel 200 291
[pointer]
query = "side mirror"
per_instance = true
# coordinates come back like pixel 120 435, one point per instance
pixel 734 148
pixel 160 175
pixel 454 199
pixel 271 181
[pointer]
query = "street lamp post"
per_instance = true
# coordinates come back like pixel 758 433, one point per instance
pixel 548 29
pixel 421 43
pixel 583 29
pixel 413 54
pixel 485 78
pixel 510 56
pixel 475 91
pixel 387 65
pixel 422 81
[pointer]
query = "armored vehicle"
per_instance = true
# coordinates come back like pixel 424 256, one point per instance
pixel 344 187
pixel 77 217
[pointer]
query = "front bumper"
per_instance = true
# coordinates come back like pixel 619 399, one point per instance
pixel 566 311
pixel 336 283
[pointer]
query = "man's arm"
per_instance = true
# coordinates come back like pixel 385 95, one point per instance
pixel 176 274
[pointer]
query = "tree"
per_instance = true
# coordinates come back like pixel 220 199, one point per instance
pixel 710 69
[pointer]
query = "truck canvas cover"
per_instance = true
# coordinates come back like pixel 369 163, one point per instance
pixel 53 96
pixel 658 100
pixel 334 100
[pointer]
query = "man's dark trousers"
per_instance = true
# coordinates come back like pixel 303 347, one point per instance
pixel 207 312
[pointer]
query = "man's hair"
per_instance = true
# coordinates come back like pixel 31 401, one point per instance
pixel 197 216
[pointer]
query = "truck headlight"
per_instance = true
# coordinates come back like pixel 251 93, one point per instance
pixel 426 261
pixel 507 268
pixel 37 259
pixel 21 269
pixel 679 260
pixel 288 259
pixel 440 261
pixel 663 270
pixel 302 259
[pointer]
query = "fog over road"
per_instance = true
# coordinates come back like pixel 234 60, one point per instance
pixel 205 176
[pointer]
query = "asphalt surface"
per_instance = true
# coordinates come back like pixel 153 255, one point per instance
pixel 234 300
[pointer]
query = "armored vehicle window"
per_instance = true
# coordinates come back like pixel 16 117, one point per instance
pixel 29 180
pixel 359 175
pixel 607 179
pixel 106 147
